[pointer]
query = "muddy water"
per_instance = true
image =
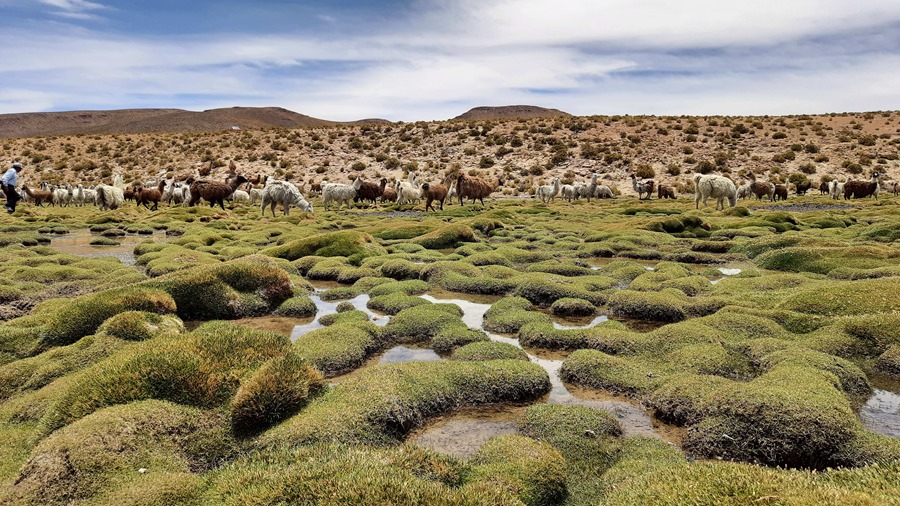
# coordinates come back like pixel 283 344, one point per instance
pixel 326 307
pixel 577 323
pixel 881 412
pixel 79 243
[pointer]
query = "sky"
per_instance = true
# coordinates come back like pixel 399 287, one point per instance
pixel 410 60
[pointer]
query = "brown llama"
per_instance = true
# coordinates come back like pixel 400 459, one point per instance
pixel 665 192
pixel 781 192
pixel 146 195
pixel 761 189
pixel 128 193
pixel 862 189
pixel 473 187
pixel 433 192
pixel 214 192
pixel 389 195
pixel 38 196
pixel 370 191
pixel 205 171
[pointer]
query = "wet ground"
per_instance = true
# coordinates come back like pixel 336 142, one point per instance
pixel 78 243
pixel 881 412
pixel 803 208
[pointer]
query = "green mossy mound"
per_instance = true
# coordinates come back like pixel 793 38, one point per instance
pixel 345 244
pixel 171 258
pixel 609 337
pixel 383 403
pixel 408 287
pixel 423 322
pixel 400 269
pixel 889 361
pixel 448 236
pixel 248 286
pixel 508 315
pixel 141 325
pixel 654 306
pixel 543 289
pixel 847 298
pixel 347 316
pixel 534 472
pixel 278 389
pixel 596 369
pixel 201 368
pixel 572 307
pixel 824 260
pixel 83 315
pixel 297 307
pixel 489 350
pixel 104 451
pixel 404 476
pixel 341 346
pixel 393 303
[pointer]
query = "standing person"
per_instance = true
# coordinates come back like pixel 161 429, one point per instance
pixel 8 184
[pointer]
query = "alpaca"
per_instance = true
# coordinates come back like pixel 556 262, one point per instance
pixel 369 191
pixel 255 195
pixel 240 196
pixel 472 187
pixel 214 192
pixel 204 171
pixel 803 187
pixel 78 195
pixel 433 192
pixel 548 192
pixel 284 193
pixel 743 191
pixel 825 188
pixel 589 190
pixel 174 192
pixel 451 193
pixel 641 187
pixel 665 192
pixel 718 187
pixel 111 197
pixel 340 193
pixel 90 195
pixel 568 192
pixel 143 196
pixel 408 191
pixel 61 197
pixel 603 192
pixel 836 189
pixel 862 189
pixel 761 189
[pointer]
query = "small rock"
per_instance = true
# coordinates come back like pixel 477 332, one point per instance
pixel 142 470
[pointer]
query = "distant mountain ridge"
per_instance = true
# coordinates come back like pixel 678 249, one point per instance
pixel 129 121
pixel 509 112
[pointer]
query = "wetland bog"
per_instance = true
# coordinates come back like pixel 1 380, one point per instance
pixel 522 353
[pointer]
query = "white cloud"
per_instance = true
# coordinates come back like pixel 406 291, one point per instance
pixel 74 9
pixel 585 57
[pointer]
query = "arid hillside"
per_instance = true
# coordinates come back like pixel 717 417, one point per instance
pixel 524 151
pixel 132 121
pixel 510 112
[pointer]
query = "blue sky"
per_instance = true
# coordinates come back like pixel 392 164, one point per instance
pixel 425 60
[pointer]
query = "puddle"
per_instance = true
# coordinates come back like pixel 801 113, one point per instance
pixel 400 354
pixel 462 433
pixel 881 413
pixel 573 323
pixel 326 307
pixel 79 243
pixel 279 324
pixel 729 271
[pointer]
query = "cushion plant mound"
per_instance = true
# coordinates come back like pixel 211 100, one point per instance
pixel 201 368
pixel 141 325
pixel 489 350
pixel 508 315
pixel 278 389
pixel 297 307
pixel 345 244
